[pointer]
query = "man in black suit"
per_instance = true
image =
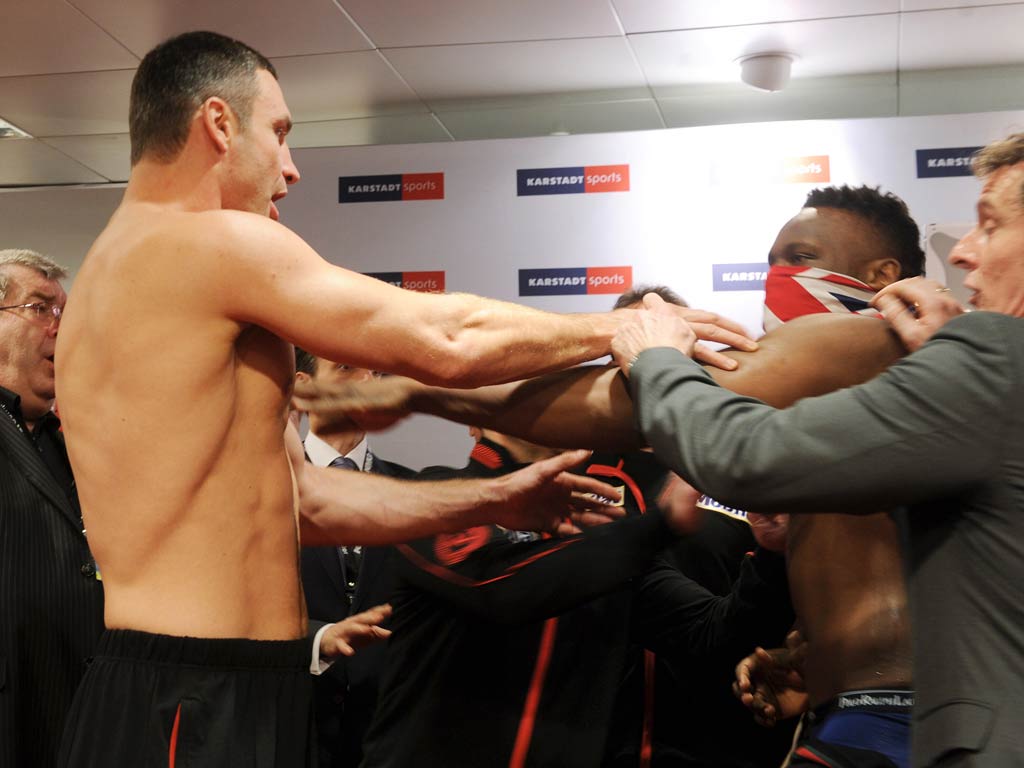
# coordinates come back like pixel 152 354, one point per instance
pixel 344 581
pixel 51 600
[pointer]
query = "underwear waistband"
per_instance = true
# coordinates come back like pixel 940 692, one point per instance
pixel 896 700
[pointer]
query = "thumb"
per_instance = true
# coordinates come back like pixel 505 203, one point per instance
pixel 563 461
pixel 653 301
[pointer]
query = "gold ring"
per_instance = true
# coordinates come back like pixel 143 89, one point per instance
pixel 943 289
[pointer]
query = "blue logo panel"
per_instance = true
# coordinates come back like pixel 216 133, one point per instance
pixel 948 161
pixel 394 278
pixel 549 181
pixel 369 189
pixel 552 282
pixel 739 277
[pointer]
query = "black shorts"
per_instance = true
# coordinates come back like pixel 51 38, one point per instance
pixel 183 702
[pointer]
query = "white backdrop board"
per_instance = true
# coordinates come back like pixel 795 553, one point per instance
pixel 676 207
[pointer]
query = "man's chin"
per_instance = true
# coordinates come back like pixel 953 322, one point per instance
pixel 273 213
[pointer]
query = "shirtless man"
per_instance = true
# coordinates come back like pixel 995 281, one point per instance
pixel 844 570
pixel 175 367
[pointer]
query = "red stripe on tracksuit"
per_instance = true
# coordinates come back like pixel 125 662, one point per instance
pixel 540 670
pixel 172 751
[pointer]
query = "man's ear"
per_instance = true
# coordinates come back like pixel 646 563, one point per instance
pixel 302 376
pixel 882 272
pixel 218 120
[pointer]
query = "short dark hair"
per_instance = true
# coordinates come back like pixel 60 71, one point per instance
pixel 886 211
pixel 636 295
pixel 304 362
pixel 177 76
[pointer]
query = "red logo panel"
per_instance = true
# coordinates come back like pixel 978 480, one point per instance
pixel 423 186
pixel 606 178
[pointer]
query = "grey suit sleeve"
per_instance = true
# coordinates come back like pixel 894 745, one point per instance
pixel 930 425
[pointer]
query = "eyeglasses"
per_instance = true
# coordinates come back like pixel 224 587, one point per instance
pixel 42 310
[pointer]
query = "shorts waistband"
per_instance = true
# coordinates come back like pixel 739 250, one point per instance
pixel 204 651
pixel 893 700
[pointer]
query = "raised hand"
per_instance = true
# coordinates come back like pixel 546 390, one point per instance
pixel 657 325
pixel 916 308
pixel 546 497
pixel 368 405
pixel 345 637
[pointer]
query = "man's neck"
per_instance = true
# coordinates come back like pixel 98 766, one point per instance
pixel 17 407
pixel 342 442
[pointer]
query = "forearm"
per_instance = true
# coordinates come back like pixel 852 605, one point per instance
pixel 675 614
pixel 515 583
pixel 362 508
pixel 468 341
pixel 925 428
pixel 587 407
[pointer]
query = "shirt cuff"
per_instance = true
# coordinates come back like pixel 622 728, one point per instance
pixel 318 666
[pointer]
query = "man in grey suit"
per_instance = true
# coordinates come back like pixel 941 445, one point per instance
pixel 51 601
pixel 941 432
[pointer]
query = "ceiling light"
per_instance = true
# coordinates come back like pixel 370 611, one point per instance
pixel 8 131
pixel 766 71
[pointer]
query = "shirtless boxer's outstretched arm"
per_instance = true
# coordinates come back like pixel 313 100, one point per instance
pixel 591 406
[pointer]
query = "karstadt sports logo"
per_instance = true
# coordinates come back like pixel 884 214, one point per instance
pixel 424 282
pixel 394 186
pixel 739 277
pixel 572 180
pixel 568 281
pixel 805 170
pixel 947 161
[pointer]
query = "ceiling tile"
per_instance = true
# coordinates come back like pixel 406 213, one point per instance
pixel 941 92
pixel 400 23
pixel 500 69
pixel 272 27
pixel 25 162
pixel 928 5
pixel 343 85
pixel 547 118
pixel 49 36
pixel 823 48
pixel 109 156
pixel 59 105
pixel 658 15
pixel 816 99
pixel 983 37
pixel 388 129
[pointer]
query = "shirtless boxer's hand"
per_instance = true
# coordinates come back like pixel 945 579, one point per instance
pixel 545 497
pixel 368 405
pixel 678 502
pixel 770 682
pixel 769 530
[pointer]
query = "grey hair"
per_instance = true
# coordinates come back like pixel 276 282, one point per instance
pixel 50 269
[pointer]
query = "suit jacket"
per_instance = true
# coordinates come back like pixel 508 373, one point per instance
pixel 943 432
pixel 51 605
pixel 347 693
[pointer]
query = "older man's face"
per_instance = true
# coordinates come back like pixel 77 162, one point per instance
pixel 993 252
pixel 27 339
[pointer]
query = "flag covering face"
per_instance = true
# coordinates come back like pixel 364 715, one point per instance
pixel 796 291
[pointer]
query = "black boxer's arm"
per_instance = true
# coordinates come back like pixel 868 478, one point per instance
pixel 590 406
pixel 482 572
pixel 674 614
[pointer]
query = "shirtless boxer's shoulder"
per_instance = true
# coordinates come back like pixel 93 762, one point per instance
pixel 174 371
